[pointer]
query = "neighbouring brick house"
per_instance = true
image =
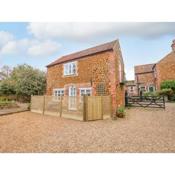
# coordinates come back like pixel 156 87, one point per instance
pixel 131 88
pixel 148 77
pixel 165 68
pixel 95 71
pixel 145 78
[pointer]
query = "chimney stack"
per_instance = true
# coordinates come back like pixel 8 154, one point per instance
pixel 173 45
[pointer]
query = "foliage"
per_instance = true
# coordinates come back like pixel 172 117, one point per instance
pixel 7 87
pixel 7 104
pixel 167 92
pixel 120 112
pixel 169 84
pixel 147 94
pixel 23 82
pixel 29 81
pixel 5 72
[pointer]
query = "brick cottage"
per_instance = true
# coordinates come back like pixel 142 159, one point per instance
pixel 95 71
pixel 165 68
pixel 145 78
pixel 131 88
pixel 149 77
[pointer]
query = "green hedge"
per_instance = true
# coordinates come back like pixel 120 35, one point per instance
pixel 169 84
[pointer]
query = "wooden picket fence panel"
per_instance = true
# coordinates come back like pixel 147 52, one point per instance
pixel 86 108
pixel 93 108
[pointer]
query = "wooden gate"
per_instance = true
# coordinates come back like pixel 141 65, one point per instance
pixel 145 101
pixel 94 107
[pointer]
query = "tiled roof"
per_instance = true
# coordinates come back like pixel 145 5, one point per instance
pixel 83 53
pixel 144 68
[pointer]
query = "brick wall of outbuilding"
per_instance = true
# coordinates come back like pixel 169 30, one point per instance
pixel 146 78
pixel 165 69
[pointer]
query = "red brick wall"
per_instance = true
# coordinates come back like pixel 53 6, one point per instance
pixel 101 67
pixel 120 89
pixel 91 68
pixel 146 78
pixel 166 69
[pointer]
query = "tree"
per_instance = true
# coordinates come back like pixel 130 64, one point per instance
pixel 7 87
pixel 5 72
pixel 24 81
pixel 28 81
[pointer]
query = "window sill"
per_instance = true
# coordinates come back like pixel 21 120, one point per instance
pixel 73 75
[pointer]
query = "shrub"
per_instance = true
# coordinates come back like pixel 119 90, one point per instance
pixel 23 82
pixel 147 94
pixel 167 92
pixel 120 112
pixel 7 104
pixel 169 84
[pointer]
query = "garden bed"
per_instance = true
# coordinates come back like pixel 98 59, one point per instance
pixel 8 105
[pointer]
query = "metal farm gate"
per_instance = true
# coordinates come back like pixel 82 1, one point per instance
pixel 145 101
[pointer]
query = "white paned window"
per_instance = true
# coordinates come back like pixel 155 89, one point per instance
pixel 70 68
pixel 85 91
pixel 57 93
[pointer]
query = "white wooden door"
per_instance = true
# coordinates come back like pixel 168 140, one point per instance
pixel 72 98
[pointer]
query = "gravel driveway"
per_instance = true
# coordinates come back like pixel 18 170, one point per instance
pixel 143 130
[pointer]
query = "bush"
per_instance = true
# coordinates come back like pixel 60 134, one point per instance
pixel 169 84
pixel 120 112
pixel 166 92
pixel 147 94
pixel 23 82
pixel 7 104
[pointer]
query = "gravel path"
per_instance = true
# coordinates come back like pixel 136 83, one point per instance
pixel 143 130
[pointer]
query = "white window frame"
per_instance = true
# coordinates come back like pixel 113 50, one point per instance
pixel 85 90
pixel 70 68
pixel 57 93
pixel 72 103
pixel 143 87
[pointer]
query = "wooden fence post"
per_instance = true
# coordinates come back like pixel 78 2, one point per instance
pixel 31 103
pixel 84 108
pixel 163 101
pixel 102 107
pixel 61 106
pixel 43 104
pixel 111 108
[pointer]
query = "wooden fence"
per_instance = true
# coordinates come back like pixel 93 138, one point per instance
pixel 84 108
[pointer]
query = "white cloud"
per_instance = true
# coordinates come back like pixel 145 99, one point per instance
pixel 43 48
pixel 5 37
pixel 30 47
pixel 84 31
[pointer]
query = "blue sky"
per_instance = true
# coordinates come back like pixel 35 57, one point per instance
pixel 38 44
